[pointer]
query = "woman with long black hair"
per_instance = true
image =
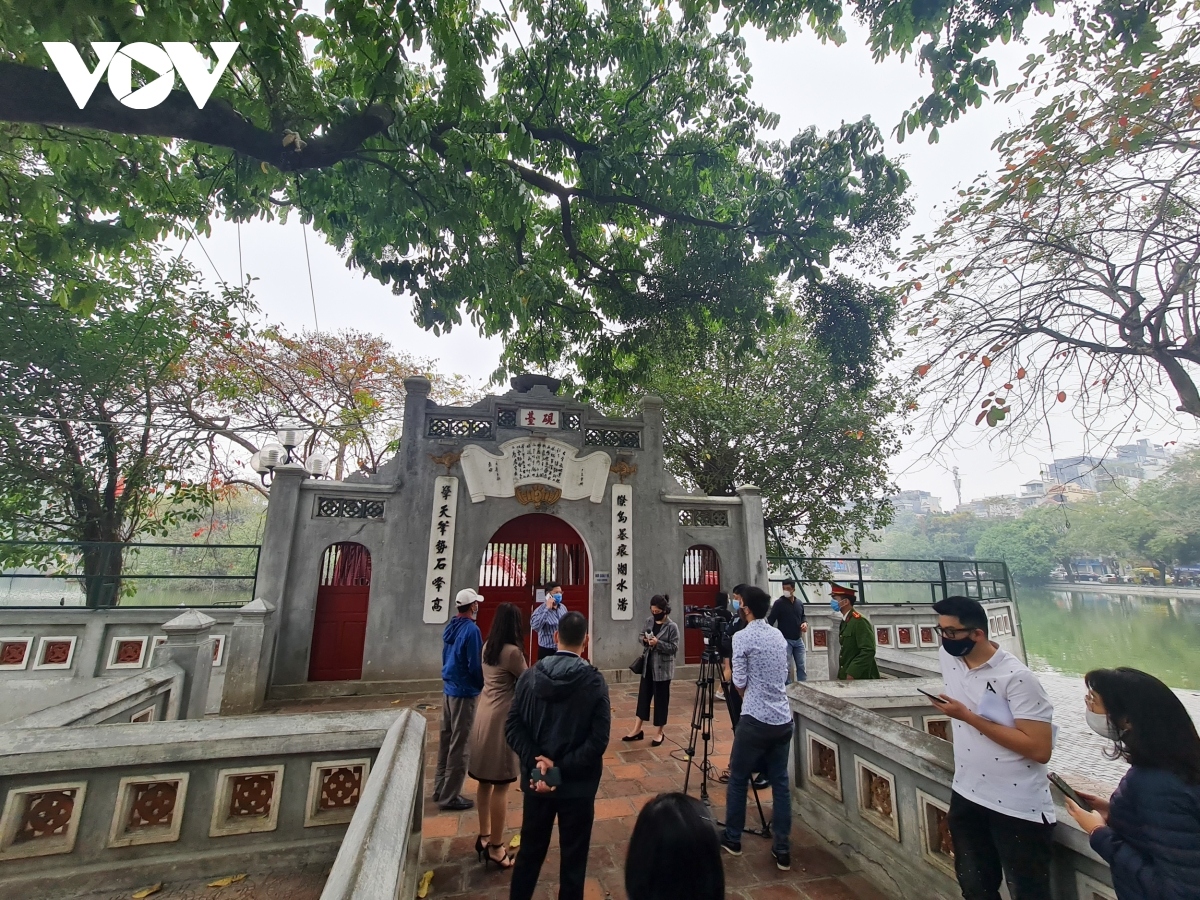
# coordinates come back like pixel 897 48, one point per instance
pixel 660 643
pixel 674 853
pixel 1149 830
pixel 492 763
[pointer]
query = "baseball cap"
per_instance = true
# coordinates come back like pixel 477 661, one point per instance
pixel 466 597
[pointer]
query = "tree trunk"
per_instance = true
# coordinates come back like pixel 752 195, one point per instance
pixel 102 564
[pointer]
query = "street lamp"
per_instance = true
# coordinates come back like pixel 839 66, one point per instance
pixel 290 436
pixel 317 463
pixel 278 451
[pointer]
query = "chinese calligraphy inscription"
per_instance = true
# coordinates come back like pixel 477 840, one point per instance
pixel 622 551
pixel 441 549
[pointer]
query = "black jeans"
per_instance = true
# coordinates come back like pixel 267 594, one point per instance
pixel 661 692
pixel 989 846
pixel 543 652
pixel 574 838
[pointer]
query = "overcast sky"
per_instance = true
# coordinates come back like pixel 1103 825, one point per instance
pixel 807 84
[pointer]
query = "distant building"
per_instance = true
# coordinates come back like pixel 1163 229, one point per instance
pixel 918 502
pixel 1150 458
pixel 1097 474
pixel 1062 494
pixel 1032 493
pixel 1000 507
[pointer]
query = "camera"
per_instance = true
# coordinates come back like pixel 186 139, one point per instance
pixel 710 622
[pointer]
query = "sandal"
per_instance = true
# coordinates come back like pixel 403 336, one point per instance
pixel 505 862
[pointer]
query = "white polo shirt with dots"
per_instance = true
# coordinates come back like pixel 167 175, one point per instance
pixel 984 772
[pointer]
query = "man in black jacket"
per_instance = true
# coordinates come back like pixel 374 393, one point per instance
pixel 558 726
pixel 788 616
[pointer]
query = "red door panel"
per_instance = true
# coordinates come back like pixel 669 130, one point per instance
pixel 701 584
pixel 339 633
pixel 340 622
pixel 521 557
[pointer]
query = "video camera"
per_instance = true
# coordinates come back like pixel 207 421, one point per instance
pixel 711 623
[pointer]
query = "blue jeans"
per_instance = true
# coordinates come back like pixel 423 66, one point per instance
pixel 763 748
pixel 796 648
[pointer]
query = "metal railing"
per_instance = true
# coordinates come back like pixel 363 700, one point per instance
pixel 107 574
pixel 916 581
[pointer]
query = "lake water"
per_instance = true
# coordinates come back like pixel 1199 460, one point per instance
pixel 1073 632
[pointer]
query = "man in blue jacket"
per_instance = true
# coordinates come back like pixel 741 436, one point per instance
pixel 462 674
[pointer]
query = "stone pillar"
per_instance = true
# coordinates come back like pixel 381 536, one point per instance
pixel 190 647
pixel 416 398
pixel 835 645
pixel 275 558
pixel 248 659
pixel 755 535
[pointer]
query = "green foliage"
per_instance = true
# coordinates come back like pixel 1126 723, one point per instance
pixel 775 411
pixel 1027 544
pixel 536 187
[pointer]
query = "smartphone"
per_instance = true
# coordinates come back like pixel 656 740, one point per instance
pixel 1069 791
pixel 553 777
pixel 934 697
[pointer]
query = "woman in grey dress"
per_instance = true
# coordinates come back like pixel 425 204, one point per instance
pixel 492 763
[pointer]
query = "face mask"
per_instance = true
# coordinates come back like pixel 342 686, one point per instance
pixel 557 598
pixel 958 648
pixel 736 604
pixel 1100 724
pixel 835 606
pixel 658 617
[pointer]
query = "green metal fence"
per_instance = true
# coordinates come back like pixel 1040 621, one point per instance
pixel 916 581
pixel 102 575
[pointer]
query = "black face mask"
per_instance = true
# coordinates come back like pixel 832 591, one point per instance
pixel 958 648
pixel 660 617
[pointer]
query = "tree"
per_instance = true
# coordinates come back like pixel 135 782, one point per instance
pixel 1028 545
pixel 532 181
pixel 93 450
pixel 345 389
pixel 1071 278
pixel 777 413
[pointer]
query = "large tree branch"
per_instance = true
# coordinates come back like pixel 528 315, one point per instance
pixel 39 97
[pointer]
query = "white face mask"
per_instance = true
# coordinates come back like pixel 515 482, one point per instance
pixel 1100 724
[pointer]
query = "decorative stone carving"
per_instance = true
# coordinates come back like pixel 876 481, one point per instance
pixel 447 459
pixel 127 652
pixel 55 653
pixel 534 460
pixel 939 727
pixel 704 518
pixel 246 800
pixel 41 820
pixel 883 635
pixel 824 766
pixel 334 789
pixel 928 636
pixel 541 496
pixel 937 847
pixel 623 469
pixel 906 636
pixel 149 809
pixel 350 508
pixel 613 437
pixel 820 638
pixel 455 427
pixel 14 652
pixel 877 797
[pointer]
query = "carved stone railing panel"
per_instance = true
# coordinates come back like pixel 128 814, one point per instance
pixel 349 508
pixel 717 518
pixel 613 437
pixel 455 427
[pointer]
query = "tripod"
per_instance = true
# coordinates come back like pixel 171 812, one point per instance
pixel 702 727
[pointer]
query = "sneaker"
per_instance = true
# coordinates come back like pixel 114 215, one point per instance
pixel 783 861
pixel 458 804
pixel 733 848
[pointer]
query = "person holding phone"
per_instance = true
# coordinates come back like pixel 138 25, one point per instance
pixel 660 640
pixel 546 617
pixel 1148 831
pixel 1001 811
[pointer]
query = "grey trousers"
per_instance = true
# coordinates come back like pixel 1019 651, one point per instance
pixel 458 715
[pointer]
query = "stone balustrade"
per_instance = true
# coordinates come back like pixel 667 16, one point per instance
pixel 150 696
pixel 121 806
pixel 871 776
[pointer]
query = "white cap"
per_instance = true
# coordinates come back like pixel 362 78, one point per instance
pixel 466 597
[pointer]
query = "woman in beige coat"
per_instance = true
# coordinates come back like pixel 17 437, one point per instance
pixel 493 764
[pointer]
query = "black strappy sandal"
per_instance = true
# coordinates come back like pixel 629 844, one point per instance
pixel 504 863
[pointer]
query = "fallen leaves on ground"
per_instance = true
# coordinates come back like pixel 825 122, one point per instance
pixel 227 880
pixel 147 891
pixel 424 885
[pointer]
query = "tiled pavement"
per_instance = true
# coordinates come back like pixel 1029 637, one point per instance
pixel 634 774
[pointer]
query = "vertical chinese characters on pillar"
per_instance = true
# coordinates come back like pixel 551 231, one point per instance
pixel 441 549
pixel 622 551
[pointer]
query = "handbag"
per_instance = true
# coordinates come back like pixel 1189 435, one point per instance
pixel 638 666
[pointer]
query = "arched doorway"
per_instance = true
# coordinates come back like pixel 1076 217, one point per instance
pixel 340 624
pixel 521 557
pixel 701 584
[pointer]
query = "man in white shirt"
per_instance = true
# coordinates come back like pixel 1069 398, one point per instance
pixel 1001 812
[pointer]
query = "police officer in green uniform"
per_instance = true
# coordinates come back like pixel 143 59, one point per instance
pixel 856 660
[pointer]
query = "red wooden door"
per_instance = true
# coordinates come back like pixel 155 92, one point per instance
pixel 521 557
pixel 701 584
pixel 340 624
